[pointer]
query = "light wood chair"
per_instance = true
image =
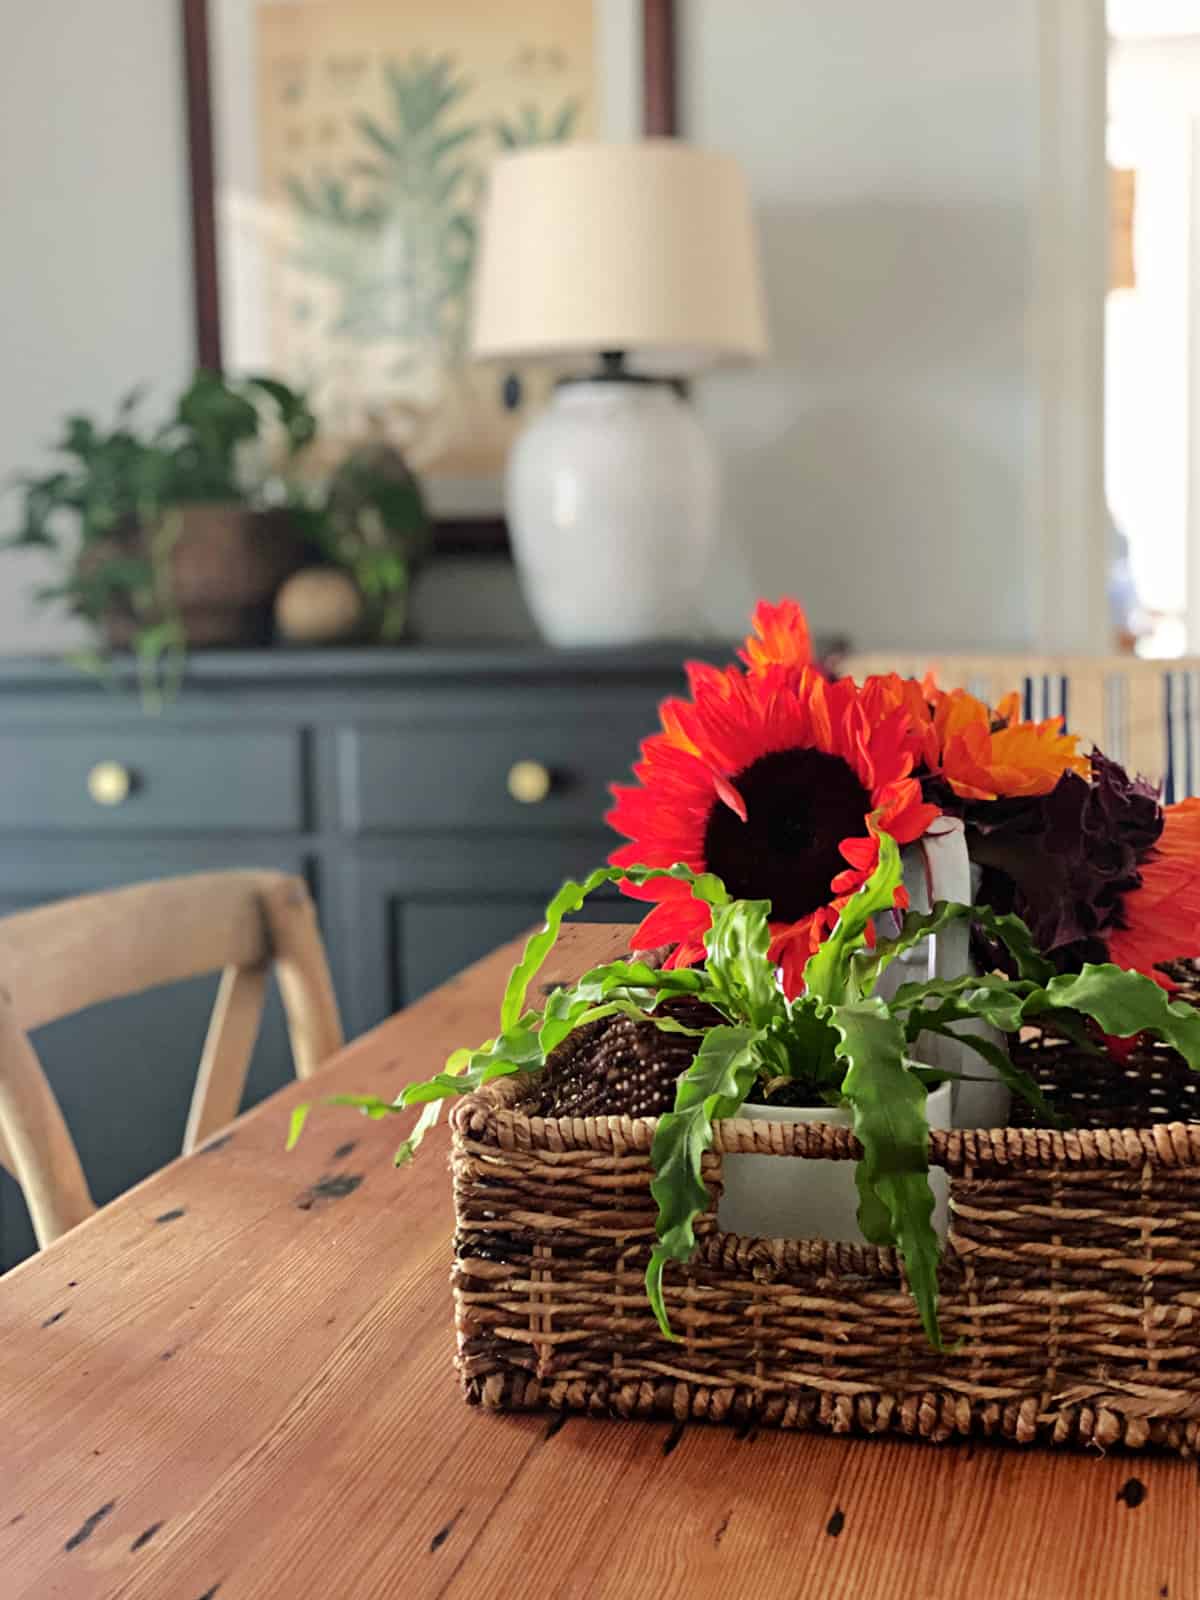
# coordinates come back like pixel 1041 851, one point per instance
pixel 62 958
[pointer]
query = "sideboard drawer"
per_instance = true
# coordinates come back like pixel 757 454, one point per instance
pixel 152 780
pixel 537 775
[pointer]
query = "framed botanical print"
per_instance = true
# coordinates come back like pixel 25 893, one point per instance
pixel 339 153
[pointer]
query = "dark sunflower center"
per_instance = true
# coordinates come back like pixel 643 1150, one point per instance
pixel 800 805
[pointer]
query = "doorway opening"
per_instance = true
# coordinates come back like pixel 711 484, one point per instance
pixel 1152 325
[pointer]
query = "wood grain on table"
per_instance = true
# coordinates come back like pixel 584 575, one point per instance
pixel 237 1381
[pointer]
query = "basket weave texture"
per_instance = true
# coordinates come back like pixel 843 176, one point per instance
pixel 1070 1282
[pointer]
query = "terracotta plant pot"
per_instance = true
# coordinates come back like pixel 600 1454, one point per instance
pixel 227 565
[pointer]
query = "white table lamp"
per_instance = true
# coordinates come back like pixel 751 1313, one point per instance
pixel 638 263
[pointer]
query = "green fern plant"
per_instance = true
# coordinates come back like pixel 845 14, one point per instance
pixel 108 510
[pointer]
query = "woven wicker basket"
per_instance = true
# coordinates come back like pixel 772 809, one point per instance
pixel 1070 1286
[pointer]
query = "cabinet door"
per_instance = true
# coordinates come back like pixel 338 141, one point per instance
pixel 427 909
pixel 123 1072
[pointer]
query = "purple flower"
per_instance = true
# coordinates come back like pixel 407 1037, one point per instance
pixel 1064 861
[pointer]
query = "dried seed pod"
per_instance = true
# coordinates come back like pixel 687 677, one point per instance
pixel 620 1066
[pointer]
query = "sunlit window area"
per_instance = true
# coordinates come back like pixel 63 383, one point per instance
pixel 1152 428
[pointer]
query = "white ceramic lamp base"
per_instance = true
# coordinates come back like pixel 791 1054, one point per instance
pixel 612 510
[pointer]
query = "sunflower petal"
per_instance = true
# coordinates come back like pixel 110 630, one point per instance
pixel 780 637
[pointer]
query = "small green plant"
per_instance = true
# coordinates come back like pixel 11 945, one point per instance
pixel 109 509
pixel 215 419
pixel 375 524
pixel 843 1041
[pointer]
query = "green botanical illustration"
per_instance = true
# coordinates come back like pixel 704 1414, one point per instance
pixel 395 235
pixel 532 125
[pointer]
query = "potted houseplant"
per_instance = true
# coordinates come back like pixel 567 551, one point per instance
pixel 378 528
pixel 371 526
pixel 168 536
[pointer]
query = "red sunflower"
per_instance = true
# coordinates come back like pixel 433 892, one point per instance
pixel 767 778
pixel 780 638
pixel 1160 919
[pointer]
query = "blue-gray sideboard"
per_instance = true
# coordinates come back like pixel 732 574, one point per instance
pixel 432 798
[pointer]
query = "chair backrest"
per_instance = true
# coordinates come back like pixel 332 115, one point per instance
pixel 1144 714
pixel 62 958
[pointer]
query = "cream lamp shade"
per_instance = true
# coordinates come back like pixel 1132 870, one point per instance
pixel 645 248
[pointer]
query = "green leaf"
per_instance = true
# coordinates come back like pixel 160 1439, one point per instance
pixel 887 1104
pixel 993 999
pixel 369 1104
pixel 373 1107
pixel 919 925
pixel 517 1050
pixel 829 974
pixel 809 1042
pixel 296 1124
pixel 1074 1028
pixel 714 1086
pixel 632 977
pixel 706 886
pixel 429 1115
pixel 737 945
pixel 1015 936
pixel 1013 1077
pixel 1123 1004
pixel 295 415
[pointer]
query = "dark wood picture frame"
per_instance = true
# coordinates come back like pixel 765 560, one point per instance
pixel 459 535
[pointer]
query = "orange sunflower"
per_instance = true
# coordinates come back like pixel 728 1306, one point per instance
pixel 986 755
pixel 768 779
pixel 982 754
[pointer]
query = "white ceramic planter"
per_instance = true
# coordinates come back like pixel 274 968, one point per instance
pixel 778 1197
pixel 937 868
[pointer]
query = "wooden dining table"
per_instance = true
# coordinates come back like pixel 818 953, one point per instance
pixel 237 1380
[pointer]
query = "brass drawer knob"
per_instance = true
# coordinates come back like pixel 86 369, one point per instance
pixel 109 783
pixel 529 782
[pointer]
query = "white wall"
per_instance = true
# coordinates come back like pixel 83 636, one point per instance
pixel 94 264
pixel 879 467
